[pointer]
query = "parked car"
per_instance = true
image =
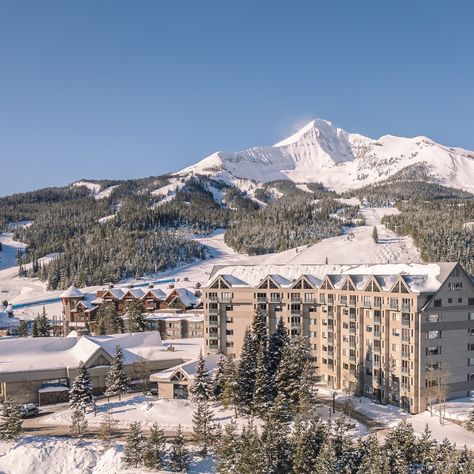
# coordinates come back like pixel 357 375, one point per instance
pixel 29 410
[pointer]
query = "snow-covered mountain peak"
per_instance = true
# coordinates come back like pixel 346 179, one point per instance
pixel 322 152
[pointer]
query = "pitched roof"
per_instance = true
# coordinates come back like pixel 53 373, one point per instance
pixel 211 362
pixel 72 292
pixel 421 278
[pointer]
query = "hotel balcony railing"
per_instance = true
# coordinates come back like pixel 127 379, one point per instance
pixel 352 345
pixel 405 370
pixel 213 298
pixel 377 319
pixel 405 322
pixel 213 311
pixel 296 312
pixel 308 300
pixel 295 299
pixel 406 308
pixel 352 330
pixel 376 363
pixel 377 349
pixel 213 324
pixel 296 324
pixel 405 386
pixel 275 300
pixel 405 354
pixel 261 299
pixel 377 305
pixel 352 358
pixel 405 338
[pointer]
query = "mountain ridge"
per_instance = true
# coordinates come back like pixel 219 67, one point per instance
pixel 342 161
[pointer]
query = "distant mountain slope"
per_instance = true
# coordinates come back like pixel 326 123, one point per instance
pixel 321 152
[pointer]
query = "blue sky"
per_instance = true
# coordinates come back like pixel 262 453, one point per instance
pixel 123 89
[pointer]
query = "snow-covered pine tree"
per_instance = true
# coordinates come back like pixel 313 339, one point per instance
pixel 106 429
pixel 78 422
pixel 469 425
pixel 228 449
pixel 230 383
pixel 309 434
pixel 136 321
pixel 250 459
pixel 465 461
pixel 344 450
pixel 10 420
pixel 326 462
pixel 246 374
pixel 80 395
pixel 372 458
pixel 132 453
pixel 276 446
pixel 400 447
pixel 263 385
pixel 203 426
pixel 307 390
pixel 425 451
pixel 259 328
pixel 34 328
pixel 44 328
pixel 116 381
pixel 22 329
pixel 278 340
pixel 154 450
pixel 201 389
pixel 218 381
pixel 179 456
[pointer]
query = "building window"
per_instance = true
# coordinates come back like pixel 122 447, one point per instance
pixel 457 286
pixel 470 301
pixel 433 335
pixel 433 318
pixel 437 303
pixel 433 350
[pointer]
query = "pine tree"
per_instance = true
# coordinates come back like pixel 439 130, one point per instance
pixel 278 340
pixel 10 420
pixel 230 383
pixel 250 459
pixel 246 374
pixel 116 380
pixel 106 429
pixel 326 462
pixel 218 381
pixel 372 458
pixel 343 447
pixel 179 457
pixel 34 329
pixel 263 385
pixel 42 324
pixel 375 235
pixel 203 426
pixel 259 328
pixel 276 446
pixel 154 449
pixel 136 321
pixel 309 434
pixel 78 422
pixel 201 389
pixel 23 329
pixel 469 425
pixel 289 374
pixel 132 453
pixel 400 446
pixel 307 390
pixel 228 449
pixel 80 395
pixel 425 451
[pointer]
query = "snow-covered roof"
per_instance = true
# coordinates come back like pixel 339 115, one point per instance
pixel 211 362
pixel 187 297
pixel 47 353
pixel 72 292
pixel 420 278
pixel 156 292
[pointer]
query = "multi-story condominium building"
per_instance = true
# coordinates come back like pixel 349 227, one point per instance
pixel 400 333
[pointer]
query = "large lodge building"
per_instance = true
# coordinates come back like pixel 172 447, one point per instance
pixel 175 315
pixel 400 333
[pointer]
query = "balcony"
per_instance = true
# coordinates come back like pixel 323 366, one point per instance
pixel 405 370
pixel 261 299
pixel 213 324
pixel 275 300
pixel 405 322
pixel 213 298
pixel 405 355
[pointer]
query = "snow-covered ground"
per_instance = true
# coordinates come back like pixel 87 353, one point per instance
pixel 167 413
pixel 47 455
pixel 389 416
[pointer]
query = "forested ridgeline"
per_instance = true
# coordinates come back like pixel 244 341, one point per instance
pixel 135 231
pixel 437 229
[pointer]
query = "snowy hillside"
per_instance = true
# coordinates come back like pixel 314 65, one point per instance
pixel 321 152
